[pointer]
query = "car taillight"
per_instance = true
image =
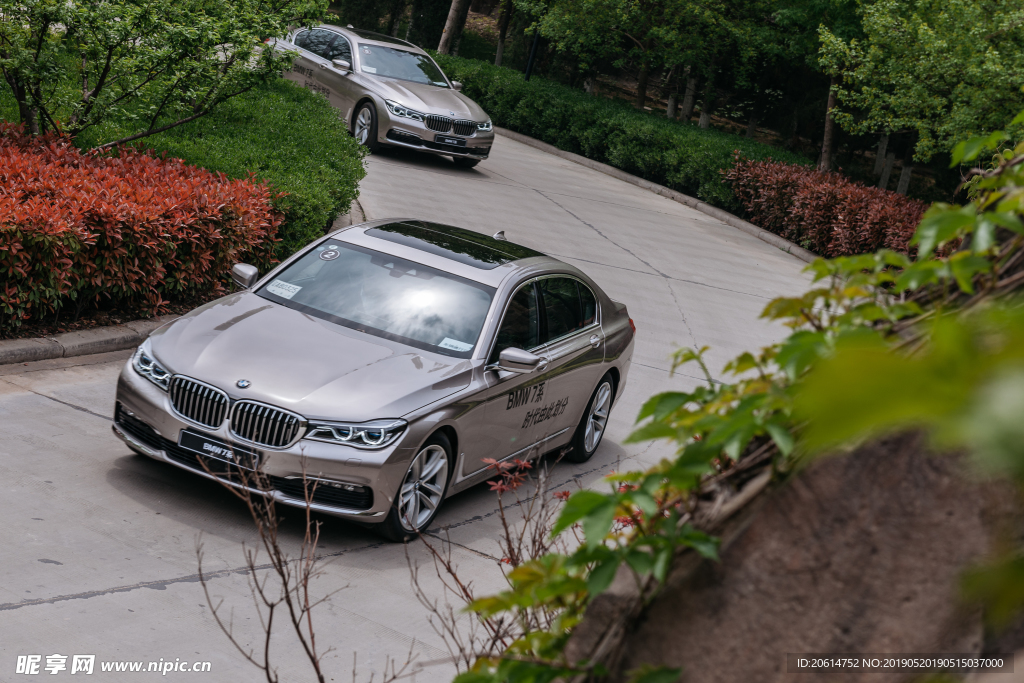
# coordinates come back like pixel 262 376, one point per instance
pixel 632 325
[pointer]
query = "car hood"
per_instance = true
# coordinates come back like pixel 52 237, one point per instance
pixel 430 99
pixel 313 367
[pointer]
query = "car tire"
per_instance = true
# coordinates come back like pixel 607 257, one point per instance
pixel 594 422
pixel 422 491
pixel 364 126
pixel 463 162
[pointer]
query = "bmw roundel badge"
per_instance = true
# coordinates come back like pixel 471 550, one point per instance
pixel 243 383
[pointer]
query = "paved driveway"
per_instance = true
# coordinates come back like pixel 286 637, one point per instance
pixel 99 552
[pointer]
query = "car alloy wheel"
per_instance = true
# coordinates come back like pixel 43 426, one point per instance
pixel 364 129
pixel 423 488
pixel 597 420
pixel 592 426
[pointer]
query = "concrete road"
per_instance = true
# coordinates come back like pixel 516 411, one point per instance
pixel 100 544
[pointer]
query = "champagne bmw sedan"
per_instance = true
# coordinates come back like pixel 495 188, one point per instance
pixel 378 370
pixel 389 92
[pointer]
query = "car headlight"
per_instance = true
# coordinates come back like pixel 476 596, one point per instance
pixel 148 367
pixel 485 126
pixel 375 434
pixel 403 111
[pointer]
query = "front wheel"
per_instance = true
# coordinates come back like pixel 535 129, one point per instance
pixel 594 422
pixel 364 128
pixel 463 162
pixel 420 495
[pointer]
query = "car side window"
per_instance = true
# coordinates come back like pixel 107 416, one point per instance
pixel 341 49
pixel 562 310
pixel 588 302
pixel 521 326
pixel 300 39
pixel 319 42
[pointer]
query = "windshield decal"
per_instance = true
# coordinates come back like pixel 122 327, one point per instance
pixel 454 344
pixel 283 289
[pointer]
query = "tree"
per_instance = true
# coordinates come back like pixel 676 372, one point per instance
pixel 650 34
pixel 150 64
pixel 453 26
pixel 939 69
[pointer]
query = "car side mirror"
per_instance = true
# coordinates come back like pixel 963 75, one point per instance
pixel 244 275
pixel 341 65
pixel 456 85
pixel 518 360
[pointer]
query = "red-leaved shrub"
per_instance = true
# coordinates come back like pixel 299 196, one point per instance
pixel 824 212
pixel 134 229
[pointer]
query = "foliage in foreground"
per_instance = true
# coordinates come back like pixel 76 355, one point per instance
pixel 902 338
pixel 287 137
pixel 682 157
pixel 824 211
pixel 77 228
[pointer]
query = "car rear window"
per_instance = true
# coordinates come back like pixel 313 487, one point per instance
pixel 385 296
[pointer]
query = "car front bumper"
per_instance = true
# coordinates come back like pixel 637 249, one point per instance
pixel 412 134
pixel 351 483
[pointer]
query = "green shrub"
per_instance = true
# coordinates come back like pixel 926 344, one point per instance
pixel 673 154
pixel 288 137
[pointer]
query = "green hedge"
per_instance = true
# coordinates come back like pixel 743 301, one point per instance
pixel 676 155
pixel 286 136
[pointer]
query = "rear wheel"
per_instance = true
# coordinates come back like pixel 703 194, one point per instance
pixel 463 162
pixel 420 495
pixel 364 127
pixel 592 426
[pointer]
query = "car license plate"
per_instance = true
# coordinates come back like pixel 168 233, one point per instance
pixel 212 447
pixel 445 140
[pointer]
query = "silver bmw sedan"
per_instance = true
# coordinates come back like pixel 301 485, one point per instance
pixel 389 92
pixel 378 369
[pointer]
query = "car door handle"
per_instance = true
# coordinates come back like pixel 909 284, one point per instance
pixel 542 365
pixel 323 66
pixel 595 341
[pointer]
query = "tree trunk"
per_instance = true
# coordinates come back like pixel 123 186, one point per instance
pixel 408 29
pixel 707 105
pixel 825 162
pixel 752 126
pixel 883 142
pixel 503 21
pixel 908 165
pixel 794 129
pixel 688 99
pixel 460 27
pixel 451 26
pixel 641 86
pixel 397 10
pixel 670 110
pixel 883 182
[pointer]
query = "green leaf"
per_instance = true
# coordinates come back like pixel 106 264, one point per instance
pixel 781 436
pixel 602 575
pixel 598 523
pixel 705 545
pixel 964 266
pixel 940 224
pixel 655 674
pixel 579 505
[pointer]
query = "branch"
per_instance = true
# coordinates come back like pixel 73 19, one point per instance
pixel 154 131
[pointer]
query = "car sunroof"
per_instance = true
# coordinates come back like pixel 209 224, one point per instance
pixel 465 246
pixel 379 37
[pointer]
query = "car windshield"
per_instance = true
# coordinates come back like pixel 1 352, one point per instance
pixel 400 64
pixel 385 296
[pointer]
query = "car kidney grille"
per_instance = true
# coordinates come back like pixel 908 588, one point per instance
pixel 197 401
pixel 265 425
pixel 464 128
pixel 442 124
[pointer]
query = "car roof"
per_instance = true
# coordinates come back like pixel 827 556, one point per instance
pixel 462 252
pixel 372 37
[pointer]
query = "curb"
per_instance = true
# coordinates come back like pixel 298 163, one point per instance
pixel 692 202
pixel 82 342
